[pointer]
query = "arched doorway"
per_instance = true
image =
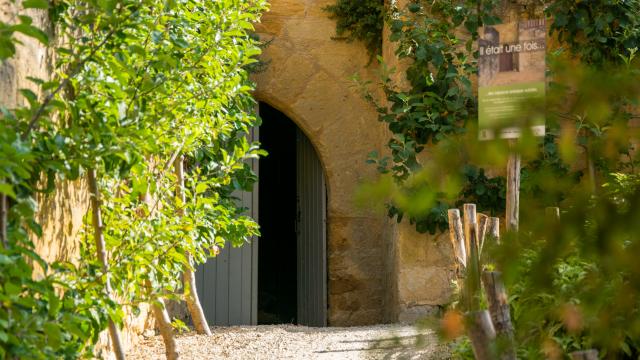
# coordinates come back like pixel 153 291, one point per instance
pixel 282 277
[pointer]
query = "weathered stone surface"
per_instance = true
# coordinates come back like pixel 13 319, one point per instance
pixel 308 78
pixel 415 313
pixel 425 272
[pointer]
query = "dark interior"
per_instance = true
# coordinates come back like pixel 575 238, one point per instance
pixel 277 295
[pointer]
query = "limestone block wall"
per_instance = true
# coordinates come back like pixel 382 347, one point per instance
pixel 308 79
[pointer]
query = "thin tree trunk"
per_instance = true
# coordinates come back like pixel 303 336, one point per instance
pixel 482 334
pixel 4 209
pixel 500 313
pixel 160 313
pixel 163 321
pixel 102 257
pixel 188 277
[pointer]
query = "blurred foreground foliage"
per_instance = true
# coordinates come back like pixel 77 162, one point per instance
pixel 574 282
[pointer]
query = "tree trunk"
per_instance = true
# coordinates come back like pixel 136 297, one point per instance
pixel 188 277
pixel 102 257
pixel 163 321
pixel 160 313
pixel 482 334
pixel 500 313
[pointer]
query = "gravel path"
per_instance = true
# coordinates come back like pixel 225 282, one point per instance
pixel 298 342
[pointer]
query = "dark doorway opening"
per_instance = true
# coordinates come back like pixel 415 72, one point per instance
pixel 277 289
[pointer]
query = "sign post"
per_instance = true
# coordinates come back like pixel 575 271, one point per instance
pixel 513 189
pixel 511 78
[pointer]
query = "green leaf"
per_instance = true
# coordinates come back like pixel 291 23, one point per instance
pixel 54 335
pixel 7 189
pixel 35 4
pixel 32 31
pixel 30 95
pixel 7 47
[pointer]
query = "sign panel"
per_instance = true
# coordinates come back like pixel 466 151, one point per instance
pixel 511 78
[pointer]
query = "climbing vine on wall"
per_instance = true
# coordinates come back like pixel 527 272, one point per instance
pixel 437 39
pixel 360 20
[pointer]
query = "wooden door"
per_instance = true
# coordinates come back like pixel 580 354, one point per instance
pixel 311 235
pixel 228 283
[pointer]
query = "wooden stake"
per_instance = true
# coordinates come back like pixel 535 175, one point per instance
pixel 482 334
pixel 500 313
pixel 102 257
pixel 513 190
pixel 483 222
pixel 585 355
pixel 188 277
pixel 493 229
pixel 456 235
pixel 470 222
pixel 552 213
pixel 472 281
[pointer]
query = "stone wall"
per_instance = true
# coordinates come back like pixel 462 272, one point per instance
pixel 308 79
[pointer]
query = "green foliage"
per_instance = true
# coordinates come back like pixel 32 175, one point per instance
pixel 137 84
pixel 54 316
pixel 438 103
pixel 360 20
pixel 573 286
pixel 597 32
pixel 573 283
pixel 437 38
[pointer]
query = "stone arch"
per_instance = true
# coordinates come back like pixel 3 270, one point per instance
pixel 308 78
pixel 296 119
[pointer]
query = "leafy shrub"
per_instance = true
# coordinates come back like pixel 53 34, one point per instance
pixel 360 20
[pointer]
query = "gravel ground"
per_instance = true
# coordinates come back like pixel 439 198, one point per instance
pixel 298 342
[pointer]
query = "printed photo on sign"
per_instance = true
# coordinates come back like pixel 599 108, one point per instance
pixel 511 78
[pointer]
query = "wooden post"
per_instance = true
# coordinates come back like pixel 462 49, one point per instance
pixel 513 189
pixel 491 232
pixel 102 257
pixel 472 282
pixel 483 223
pixel 500 313
pixel 493 229
pixel 470 223
pixel 552 213
pixel 456 236
pixel 188 277
pixel 585 355
pixel 482 334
